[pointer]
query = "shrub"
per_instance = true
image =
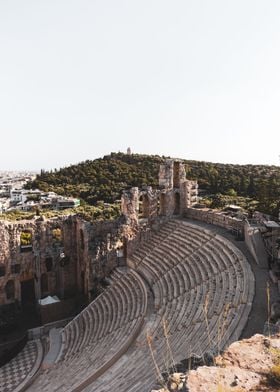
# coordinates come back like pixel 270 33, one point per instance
pixel 274 375
pixel 25 238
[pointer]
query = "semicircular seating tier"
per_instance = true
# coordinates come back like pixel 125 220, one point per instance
pixel 16 374
pixel 189 292
pixel 202 287
pixel 98 336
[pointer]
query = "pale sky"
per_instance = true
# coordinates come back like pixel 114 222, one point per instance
pixel 189 78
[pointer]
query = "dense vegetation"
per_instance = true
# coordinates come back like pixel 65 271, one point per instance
pixel 259 183
pixel 101 179
pixel 90 213
pixel 105 178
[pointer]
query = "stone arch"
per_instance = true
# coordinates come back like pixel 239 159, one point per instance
pixel 177 202
pixel 162 204
pixel 144 206
pixel 108 241
pixel 2 270
pixel 10 289
pixel 176 174
pixel 82 239
pixel 158 205
pixel 57 235
pixel 49 263
pixel 25 241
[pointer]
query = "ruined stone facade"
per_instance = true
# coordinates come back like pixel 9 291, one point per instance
pixel 67 255
pixel 62 256
pixel 174 195
pixel 216 218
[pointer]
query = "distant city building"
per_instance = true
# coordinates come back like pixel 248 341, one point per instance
pixel 13 196
pixel 4 204
pixel 129 151
pixel 61 203
pixel 26 200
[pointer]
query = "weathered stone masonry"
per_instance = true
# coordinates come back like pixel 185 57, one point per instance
pixel 65 256
pixel 174 195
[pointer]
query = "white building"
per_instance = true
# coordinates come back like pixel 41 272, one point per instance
pixel 24 199
pixel 4 204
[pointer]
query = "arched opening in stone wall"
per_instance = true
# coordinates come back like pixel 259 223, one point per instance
pixel 82 239
pixel 10 289
pixel 108 241
pixel 2 270
pixel 57 235
pixel 44 284
pixel 25 241
pixel 162 204
pixel 158 206
pixel 27 292
pixel 176 203
pixel 49 263
pixel 144 206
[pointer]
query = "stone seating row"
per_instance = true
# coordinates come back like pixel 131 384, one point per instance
pixel 199 340
pixel 203 289
pixel 167 256
pixel 102 315
pixel 200 259
pixel 99 335
pixel 179 237
pixel 157 238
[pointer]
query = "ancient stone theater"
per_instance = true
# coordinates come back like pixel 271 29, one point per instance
pixel 131 299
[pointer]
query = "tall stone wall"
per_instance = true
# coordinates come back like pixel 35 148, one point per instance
pixel 216 218
pixel 166 174
pixel 171 174
pixel 189 194
pixel 148 203
pixel 104 250
pixel 47 264
pixel 130 204
pixel 167 202
pixel 65 256
pixel 174 196
pixel 179 173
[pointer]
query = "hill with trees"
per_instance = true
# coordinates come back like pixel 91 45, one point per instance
pixel 105 178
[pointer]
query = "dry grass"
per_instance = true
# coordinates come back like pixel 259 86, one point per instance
pixel 222 326
pixel 160 379
pixel 268 305
pixel 274 374
pixel 205 311
pixel 169 363
pixel 170 357
pixel 275 352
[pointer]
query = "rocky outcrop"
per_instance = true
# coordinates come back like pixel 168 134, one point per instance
pixel 246 365
pixel 251 365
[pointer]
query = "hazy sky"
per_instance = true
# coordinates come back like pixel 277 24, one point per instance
pixel 192 79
